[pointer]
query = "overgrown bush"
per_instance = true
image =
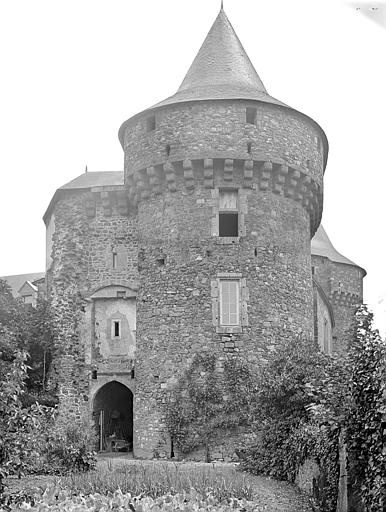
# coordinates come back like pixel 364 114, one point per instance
pixel 287 430
pixel 365 436
pixel 70 446
pixel 18 425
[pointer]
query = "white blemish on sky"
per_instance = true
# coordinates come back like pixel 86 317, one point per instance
pixel 374 11
pixel 72 71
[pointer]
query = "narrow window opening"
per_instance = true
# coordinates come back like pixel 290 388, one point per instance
pixel 228 224
pixel 161 262
pixel 116 329
pixel 150 124
pixel 250 115
pixel 115 260
pixel 132 373
pixel 167 149
pixel 94 374
pixel 171 448
pixel 313 270
pixel 255 253
pixel 249 147
pixel 208 253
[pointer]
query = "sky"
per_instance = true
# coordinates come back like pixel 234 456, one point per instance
pixel 73 70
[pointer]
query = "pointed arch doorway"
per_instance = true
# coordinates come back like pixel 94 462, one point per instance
pixel 113 416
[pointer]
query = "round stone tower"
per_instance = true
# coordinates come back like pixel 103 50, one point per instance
pixel 228 183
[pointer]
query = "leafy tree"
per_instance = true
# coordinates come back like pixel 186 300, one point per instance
pixel 17 424
pixel 193 411
pixel 29 330
pixel 297 381
pixel 39 343
pixel 12 314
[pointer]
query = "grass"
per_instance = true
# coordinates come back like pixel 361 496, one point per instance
pixel 159 479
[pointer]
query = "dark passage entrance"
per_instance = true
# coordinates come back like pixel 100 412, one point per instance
pixel 113 416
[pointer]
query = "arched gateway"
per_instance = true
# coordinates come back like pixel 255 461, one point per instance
pixel 113 416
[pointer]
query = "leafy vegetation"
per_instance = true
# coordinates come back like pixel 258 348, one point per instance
pixel 17 424
pixel 70 446
pixel 30 439
pixel 159 478
pixel 296 380
pixel 211 395
pixel 58 499
pixel 367 413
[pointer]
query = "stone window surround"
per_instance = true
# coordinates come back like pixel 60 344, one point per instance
pixel 243 299
pixel 242 210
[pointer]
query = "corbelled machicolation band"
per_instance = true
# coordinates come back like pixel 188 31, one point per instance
pixel 343 298
pixel 257 173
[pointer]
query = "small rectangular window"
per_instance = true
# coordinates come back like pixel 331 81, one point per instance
pixel 121 294
pixel 116 329
pixel 250 115
pixel 150 124
pixel 228 217
pixel 229 302
pixel 228 224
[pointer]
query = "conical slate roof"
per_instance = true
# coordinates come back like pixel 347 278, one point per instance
pixel 221 70
pixel 321 246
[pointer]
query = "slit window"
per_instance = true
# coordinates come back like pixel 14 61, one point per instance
pixel 116 329
pixel 228 216
pixel 150 124
pixel 115 260
pixel 250 115
pixel 229 302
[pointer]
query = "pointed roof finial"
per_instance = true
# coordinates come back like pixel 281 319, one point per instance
pixel 222 5
pixel 86 170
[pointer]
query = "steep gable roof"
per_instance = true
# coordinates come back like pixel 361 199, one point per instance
pixel 16 282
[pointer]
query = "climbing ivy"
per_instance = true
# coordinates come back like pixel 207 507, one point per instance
pixel 367 413
pixel 210 396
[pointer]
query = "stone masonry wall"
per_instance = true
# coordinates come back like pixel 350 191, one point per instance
pixel 178 262
pixel 343 285
pixel 89 227
pixel 212 129
pixel 174 173
pixel 67 283
pixel 346 296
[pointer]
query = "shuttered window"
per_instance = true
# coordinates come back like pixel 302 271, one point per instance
pixel 229 302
